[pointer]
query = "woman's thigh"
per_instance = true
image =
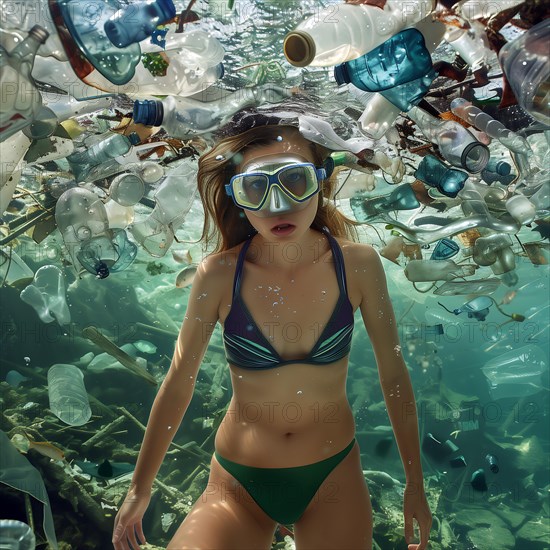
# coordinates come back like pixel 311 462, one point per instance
pixel 224 518
pixel 340 514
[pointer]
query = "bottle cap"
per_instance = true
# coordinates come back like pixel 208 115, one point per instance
pixel 299 48
pixel 40 33
pixel 341 74
pixel 148 111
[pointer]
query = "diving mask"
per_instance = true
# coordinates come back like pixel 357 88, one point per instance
pixel 280 185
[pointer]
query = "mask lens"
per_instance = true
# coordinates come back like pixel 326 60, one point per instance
pixel 251 190
pixel 297 180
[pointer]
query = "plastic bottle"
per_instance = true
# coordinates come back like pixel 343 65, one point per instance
pixel 81 162
pixel 433 172
pixel 87 31
pixel 137 21
pixel 469 46
pixel 398 60
pixel 482 121
pixel 43 124
pixel 435 270
pixel 65 106
pixel 21 100
pixel 12 151
pixel 381 110
pixel 347 31
pixel 493 463
pixel 16 535
pixel 379 114
pixel 107 253
pixel 521 209
pixel 18 16
pixel 183 117
pixel 455 143
pixel 46 294
pixel 526 64
pixel 68 396
pixel 401 198
pixel 474 9
pixel 516 373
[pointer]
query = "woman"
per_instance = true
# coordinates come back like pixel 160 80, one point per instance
pixel 284 282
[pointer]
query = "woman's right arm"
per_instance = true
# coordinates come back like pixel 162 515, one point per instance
pixel 172 399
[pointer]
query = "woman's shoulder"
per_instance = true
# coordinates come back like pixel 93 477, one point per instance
pixel 217 265
pixel 356 254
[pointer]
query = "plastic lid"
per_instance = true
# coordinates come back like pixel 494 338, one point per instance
pixel 299 48
pixel 341 74
pixel 148 111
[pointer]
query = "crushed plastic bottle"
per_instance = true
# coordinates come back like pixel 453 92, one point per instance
pixel 21 106
pixel 46 294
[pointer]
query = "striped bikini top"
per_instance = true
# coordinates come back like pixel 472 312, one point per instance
pixel 248 348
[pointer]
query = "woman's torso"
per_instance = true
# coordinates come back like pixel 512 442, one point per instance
pixel 297 413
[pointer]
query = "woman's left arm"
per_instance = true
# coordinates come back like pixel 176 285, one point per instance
pixel 379 319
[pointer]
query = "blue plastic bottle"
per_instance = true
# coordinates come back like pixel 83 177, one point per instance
pixel 137 21
pixel 433 172
pixel 399 60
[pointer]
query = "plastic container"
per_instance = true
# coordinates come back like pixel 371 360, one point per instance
pixel 469 46
pixel 433 172
pixel 526 64
pixel 347 31
pixel 183 117
pixel 398 60
pixel 127 189
pixel 516 373
pixel 456 144
pixel 65 106
pixel 110 147
pixel 46 294
pixel 16 535
pixel 137 21
pixel 21 101
pixel 68 396
pixel 493 128
pixel 84 37
pixel 521 209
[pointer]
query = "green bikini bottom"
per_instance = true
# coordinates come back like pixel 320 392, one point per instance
pixel 284 493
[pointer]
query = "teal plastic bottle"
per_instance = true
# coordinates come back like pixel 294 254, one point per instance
pixel 398 60
pixel 446 180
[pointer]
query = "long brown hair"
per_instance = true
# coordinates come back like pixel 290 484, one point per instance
pixel 224 223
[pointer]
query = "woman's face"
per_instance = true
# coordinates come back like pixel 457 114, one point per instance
pixel 282 216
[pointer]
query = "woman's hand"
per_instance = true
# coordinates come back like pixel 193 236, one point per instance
pixel 415 505
pixel 128 520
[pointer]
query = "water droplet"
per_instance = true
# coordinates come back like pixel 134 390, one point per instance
pixel 220 157
pixel 299 392
pixel 27 360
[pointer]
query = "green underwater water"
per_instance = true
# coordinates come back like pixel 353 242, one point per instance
pixel 142 306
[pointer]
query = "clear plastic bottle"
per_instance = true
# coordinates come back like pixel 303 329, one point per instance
pixel 81 162
pixel 183 117
pixel 347 31
pixel 18 16
pixel 68 397
pixel 526 63
pixel 486 123
pixel 66 106
pixel 469 46
pixel 19 107
pixel 16 535
pixel 456 144
pixel 46 294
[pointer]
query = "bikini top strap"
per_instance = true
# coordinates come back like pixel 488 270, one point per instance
pixel 338 260
pixel 239 268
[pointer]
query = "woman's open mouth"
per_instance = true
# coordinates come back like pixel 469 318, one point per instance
pixel 283 229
